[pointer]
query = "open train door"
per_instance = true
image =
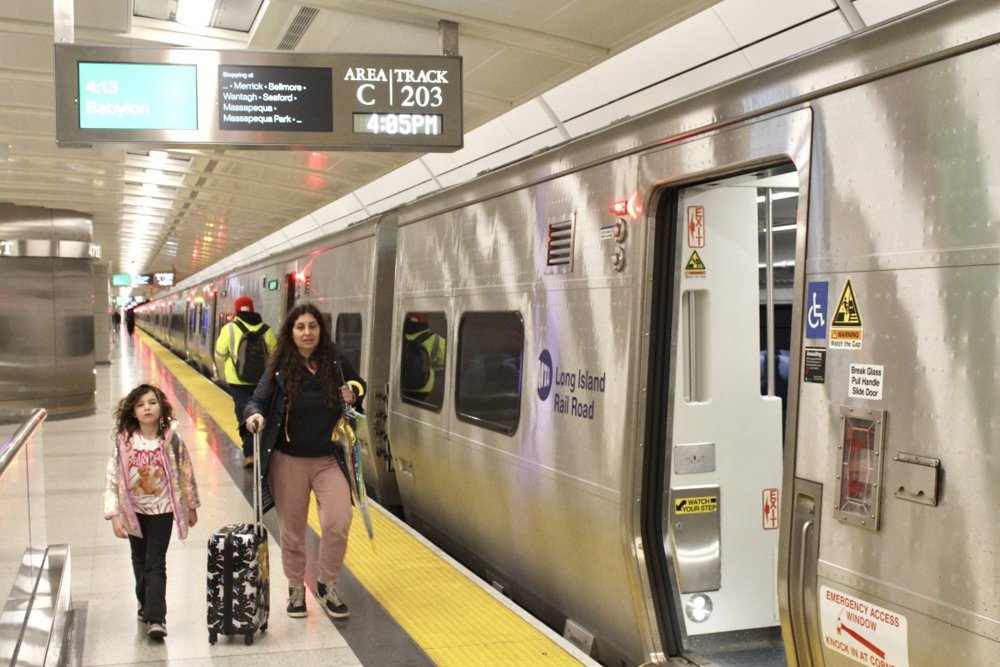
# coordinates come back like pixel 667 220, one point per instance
pixel 730 576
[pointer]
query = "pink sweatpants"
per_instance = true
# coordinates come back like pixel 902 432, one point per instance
pixel 290 479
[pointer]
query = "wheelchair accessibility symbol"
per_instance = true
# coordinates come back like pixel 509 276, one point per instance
pixel 816 298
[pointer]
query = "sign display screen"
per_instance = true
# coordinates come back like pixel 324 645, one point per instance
pixel 398 123
pixel 164 279
pixel 142 279
pixel 121 279
pixel 138 96
pixel 232 99
pixel 274 99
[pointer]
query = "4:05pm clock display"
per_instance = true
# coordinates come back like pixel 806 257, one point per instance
pixel 398 123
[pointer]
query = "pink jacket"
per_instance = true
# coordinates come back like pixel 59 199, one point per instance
pixel 181 487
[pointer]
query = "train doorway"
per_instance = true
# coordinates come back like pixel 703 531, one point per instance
pixel 727 291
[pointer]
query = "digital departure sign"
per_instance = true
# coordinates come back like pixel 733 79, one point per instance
pixel 275 99
pixel 138 96
pixel 189 98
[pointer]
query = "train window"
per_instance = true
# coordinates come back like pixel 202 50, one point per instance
pixel 422 360
pixel 488 376
pixel 348 337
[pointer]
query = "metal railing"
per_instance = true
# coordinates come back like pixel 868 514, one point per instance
pixel 11 448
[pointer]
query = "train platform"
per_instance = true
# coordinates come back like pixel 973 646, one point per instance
pixel 410 603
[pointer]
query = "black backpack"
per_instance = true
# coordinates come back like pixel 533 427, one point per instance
pixel 250 356
pixel 415 372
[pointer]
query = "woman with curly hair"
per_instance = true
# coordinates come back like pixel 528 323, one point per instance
pixel 149 486
pixel 303 394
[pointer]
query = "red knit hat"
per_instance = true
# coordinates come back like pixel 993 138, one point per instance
pixel 244 303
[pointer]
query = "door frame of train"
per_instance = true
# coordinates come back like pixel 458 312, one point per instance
pixel 768 141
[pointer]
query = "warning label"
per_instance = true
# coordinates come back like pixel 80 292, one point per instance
pixel 847 329
pixel 866 381
pixel 695 268
pixel 696 505
pixel 862 631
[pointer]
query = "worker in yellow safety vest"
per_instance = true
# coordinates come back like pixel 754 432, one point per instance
pixel 241 354
pixel 423 356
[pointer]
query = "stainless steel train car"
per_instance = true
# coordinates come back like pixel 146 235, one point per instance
pixel 694 384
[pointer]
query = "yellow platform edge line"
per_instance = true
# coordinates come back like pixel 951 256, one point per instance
pixel 448 616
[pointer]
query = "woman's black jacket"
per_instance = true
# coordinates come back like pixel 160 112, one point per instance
pixel 271 404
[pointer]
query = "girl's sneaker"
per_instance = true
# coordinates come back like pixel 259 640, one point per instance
pixel 157 631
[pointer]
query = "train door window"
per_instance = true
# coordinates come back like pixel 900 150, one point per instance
pixel 291 287
pixel 777 210
pixel 348 337
pixel 422 359
pixel 488 375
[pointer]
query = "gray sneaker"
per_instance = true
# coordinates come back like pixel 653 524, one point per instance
pixel 156 631
pixel 296 601
pixel 332 604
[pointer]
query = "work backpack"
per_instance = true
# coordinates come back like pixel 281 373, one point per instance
pixel 250 356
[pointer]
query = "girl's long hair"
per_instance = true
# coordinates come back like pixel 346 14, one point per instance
pixel 286 358
pixel 125 422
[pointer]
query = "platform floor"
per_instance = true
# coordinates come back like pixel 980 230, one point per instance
pixel 410 604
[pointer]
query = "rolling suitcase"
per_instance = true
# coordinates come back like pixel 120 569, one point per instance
pixel 239 593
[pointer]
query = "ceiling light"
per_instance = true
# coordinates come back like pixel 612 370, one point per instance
pixel 160 156
pixel 154 173
pixel 195 13
pixel 149 186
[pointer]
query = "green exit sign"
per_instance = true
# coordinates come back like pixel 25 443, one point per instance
pixel 121 279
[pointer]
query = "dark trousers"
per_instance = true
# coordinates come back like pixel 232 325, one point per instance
pixel 242 393
pixel 149 564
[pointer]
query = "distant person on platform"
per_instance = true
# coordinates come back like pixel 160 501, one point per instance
pixel 130 321
pixel 116 320
pixel 242 351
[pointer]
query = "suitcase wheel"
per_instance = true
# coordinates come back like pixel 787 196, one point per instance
pixel 212 637
pixel 249 639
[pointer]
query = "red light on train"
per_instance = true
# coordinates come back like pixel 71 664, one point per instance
pixel 188 299
pixel 631 206
pixel 300 276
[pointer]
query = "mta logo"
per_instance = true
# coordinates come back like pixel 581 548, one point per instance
pixel 544 374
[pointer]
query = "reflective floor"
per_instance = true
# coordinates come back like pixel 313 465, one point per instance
pixel 104 630
pixel 76 452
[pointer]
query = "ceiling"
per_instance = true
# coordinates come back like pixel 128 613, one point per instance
pixel 190 209
pixel 209 203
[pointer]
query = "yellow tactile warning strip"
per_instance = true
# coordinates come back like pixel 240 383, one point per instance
pixel 452 619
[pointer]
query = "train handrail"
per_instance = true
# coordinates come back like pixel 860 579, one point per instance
pixel 11 448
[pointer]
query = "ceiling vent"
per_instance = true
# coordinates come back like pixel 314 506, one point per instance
pixel 560 246
pixel 299 25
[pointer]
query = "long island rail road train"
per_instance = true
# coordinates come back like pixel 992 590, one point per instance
pixel 720 377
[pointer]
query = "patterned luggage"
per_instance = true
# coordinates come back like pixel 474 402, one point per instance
pixel 238 576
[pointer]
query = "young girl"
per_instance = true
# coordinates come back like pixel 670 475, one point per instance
pixel 149 485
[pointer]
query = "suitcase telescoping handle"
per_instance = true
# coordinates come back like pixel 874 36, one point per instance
pixel 258 503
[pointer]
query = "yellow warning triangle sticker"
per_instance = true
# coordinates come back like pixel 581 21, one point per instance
pixel 695 263
pixel 847 314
